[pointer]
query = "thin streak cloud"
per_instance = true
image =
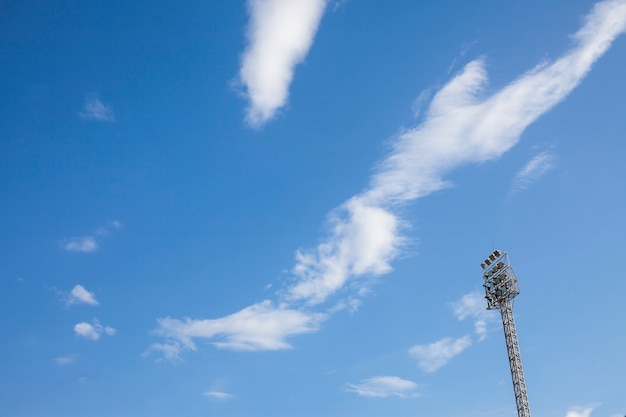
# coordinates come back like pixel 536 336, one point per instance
pixel 433 356
pixel 280 34
pixel 65 360
pixel 463 125
pixel 261 326
pixel 534 169
pixel 383 387
pixel 218 395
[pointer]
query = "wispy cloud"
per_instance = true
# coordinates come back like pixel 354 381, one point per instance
pixel 79 295
pixel 89 243
pixel 92 331
pixel 280 34
pixel 532 171
pixel 435 355
pixel 383 387
pixel 463 125
pixel 80 244
pixel 365 238
pixel 261 326
pixel 460 128
pixel 473 305
pixel 65 360
pixel 108 228
pixel 170 350
pixel 218 395
pixel 94 109
pixel 579 412
pixel 431 357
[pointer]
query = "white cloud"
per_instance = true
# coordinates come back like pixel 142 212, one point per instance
pixel 80 244
pixel 218 395
pixel 94 109
pixel 435 355
pixel 280 34
pixel 108 227
pixel 92 331
pixel 79 295
pixel 65 360
pixel 338 4
pixel 89 243
pixel 461 126
pixel 532 171
pixel 421 102
pixel 579 412
pixel 473 305
pixel 258 327
pixel 383 387
pixel 170 351
pixel 364 240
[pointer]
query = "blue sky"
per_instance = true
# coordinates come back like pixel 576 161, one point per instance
pixel 279 208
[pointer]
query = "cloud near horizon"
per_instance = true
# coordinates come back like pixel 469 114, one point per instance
pixel 280 34
pixel 463 125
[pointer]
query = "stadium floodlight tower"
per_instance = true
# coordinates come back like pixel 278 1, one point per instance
pixel 501 287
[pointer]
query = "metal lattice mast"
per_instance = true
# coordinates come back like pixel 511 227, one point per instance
pixel 501 287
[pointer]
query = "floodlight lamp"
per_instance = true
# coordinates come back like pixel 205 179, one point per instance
pixel 497 253
pixel 487 261
pixel 483 265
pixel 492 257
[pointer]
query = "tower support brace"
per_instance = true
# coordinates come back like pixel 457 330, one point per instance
pixel 515 359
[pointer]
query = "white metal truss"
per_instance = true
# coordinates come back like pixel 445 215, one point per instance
pixel 515 359
pixel 501 287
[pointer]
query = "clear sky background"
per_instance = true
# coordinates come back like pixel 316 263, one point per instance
pixel 279 208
